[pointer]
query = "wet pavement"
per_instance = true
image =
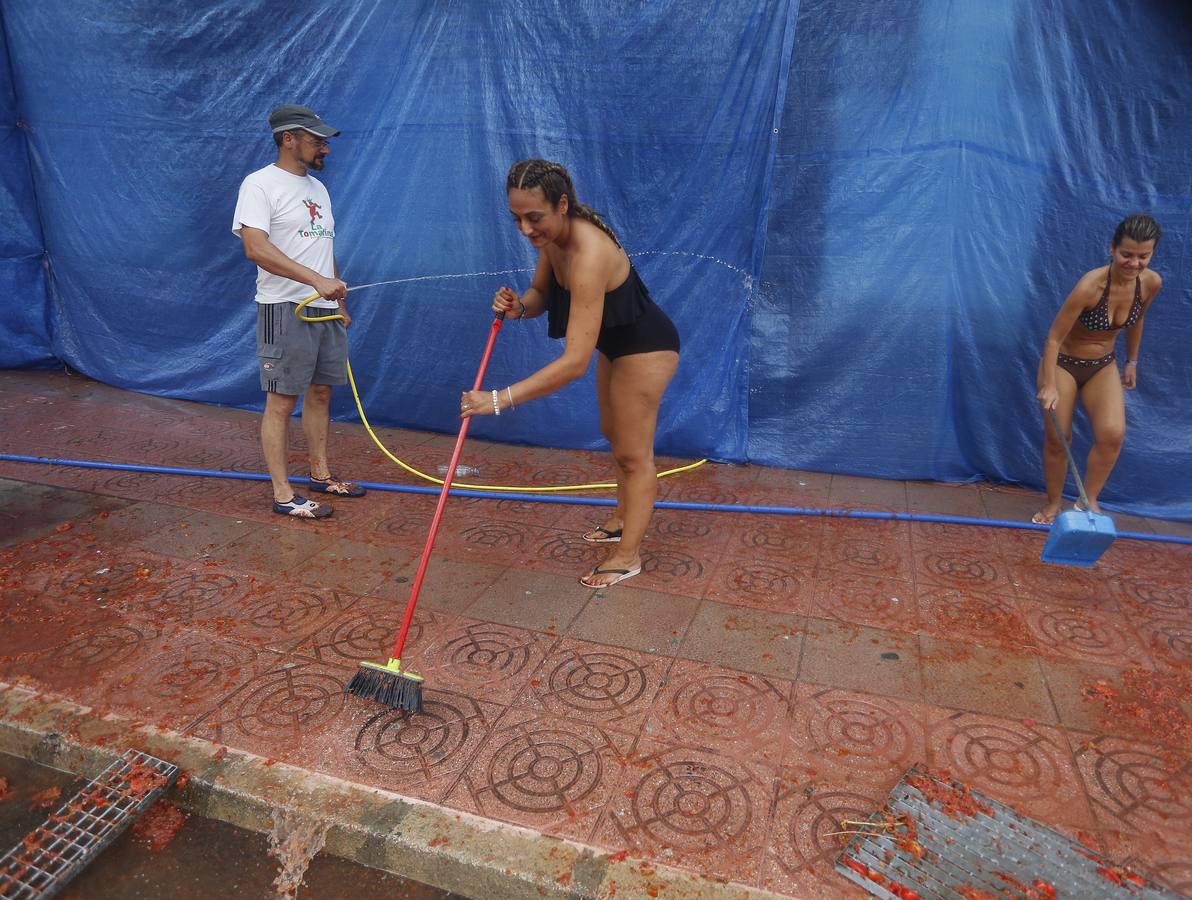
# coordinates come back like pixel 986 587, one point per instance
pixel 204 858
pixel 763 679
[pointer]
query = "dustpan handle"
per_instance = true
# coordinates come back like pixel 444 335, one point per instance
pixel 1084 498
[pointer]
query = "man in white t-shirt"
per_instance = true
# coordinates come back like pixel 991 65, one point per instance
pixel 283 217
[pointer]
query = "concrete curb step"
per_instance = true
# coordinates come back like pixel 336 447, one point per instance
pixel 458 852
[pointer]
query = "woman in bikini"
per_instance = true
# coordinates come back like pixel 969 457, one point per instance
pixel 594 299
pixel 1078 358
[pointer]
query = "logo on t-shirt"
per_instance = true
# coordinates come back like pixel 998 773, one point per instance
pixel 315 229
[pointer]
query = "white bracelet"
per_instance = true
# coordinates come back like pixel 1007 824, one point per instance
pixel 509 391
pixel 523 308
pixel 496 403
pixel 1131 362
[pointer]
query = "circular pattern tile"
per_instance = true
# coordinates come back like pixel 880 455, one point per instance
pixel 286 703
pixel 110 576
pixel 543 770
pixel 956 567
pixel 286 610
pixel 154 447
pixel 398 743
pixel 193 594
pixel 97 649
pixel 1155 597
pixel 691 804
pixel 967 614
pixel 405 525
pixel 1019 760
pixel 568 550
pixel 597 683
pixel 1144 786
pixel 878 736
pixel 705 493
pixel 681 528
pixel 486 650
pixel 200 669
pixel 777 537
pixel 806 820
pixel 494 534
pixel 863 556
pixel 762 579
pixel 1170 640
pixel 362 634
pixel 561 474
pixel 671 564
pixel 1072 632
pixel 724 708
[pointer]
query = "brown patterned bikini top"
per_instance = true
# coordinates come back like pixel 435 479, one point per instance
pixel 1097 318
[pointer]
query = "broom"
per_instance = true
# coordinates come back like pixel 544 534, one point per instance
pixel 390 684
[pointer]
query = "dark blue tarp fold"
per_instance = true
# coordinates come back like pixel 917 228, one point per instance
pixel 24 329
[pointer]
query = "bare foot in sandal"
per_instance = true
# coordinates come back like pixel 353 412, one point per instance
pixel 612 571
pixel 1047 514
pixel 608 533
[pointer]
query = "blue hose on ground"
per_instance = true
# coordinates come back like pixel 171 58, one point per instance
pixel 595 501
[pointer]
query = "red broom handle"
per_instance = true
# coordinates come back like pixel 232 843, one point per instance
pixel 400 643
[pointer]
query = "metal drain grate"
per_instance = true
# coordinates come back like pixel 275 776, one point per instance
pixel 61 847
pixel 982 849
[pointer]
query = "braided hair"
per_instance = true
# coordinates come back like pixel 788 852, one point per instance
pixel 555 182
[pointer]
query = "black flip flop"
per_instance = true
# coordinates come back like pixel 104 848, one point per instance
pixel 610 537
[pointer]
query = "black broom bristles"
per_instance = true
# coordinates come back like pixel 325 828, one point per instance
pixel 390 689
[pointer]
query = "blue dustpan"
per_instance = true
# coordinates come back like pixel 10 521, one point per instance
pixel 1079 536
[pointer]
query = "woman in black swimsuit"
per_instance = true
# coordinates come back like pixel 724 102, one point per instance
pixel 594 299
pixel 1078 358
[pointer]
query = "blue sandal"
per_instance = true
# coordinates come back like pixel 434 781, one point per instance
pixel 332 485
pixel 301 508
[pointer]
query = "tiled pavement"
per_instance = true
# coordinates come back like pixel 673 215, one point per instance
pixel 764 678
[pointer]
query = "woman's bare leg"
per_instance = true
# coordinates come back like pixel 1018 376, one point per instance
pixel 1055 461
pixel 604 371
pixel 1103 399
pixel 635 388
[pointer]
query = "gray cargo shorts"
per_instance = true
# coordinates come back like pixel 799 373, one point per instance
pixel 294 354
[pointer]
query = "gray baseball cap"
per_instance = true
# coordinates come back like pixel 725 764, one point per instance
pixel 290 116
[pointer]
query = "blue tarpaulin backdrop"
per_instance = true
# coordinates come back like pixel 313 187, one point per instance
pixel 862 216
pixel 24 327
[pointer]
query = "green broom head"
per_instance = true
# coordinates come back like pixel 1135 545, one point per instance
pixel 388 685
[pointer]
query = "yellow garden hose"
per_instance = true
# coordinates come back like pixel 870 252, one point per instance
pixel 431 478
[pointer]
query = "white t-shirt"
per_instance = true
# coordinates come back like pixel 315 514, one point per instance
pixel 295 212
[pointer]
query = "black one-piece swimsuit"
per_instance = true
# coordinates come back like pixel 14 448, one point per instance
pixel 632 322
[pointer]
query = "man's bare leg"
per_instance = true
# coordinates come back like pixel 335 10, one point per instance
pixel 316 418
pixel 275 424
